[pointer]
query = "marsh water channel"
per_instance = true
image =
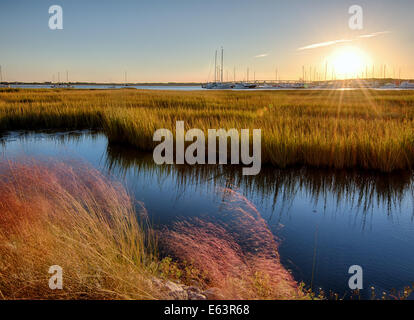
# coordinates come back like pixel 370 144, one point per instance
pixel 323 221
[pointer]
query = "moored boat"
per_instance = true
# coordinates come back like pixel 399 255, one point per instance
pixel 407 85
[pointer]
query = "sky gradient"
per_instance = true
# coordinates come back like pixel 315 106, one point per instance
pixel 175 40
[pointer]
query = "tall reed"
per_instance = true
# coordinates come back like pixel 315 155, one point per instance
pixel 366 129
pixel 71 216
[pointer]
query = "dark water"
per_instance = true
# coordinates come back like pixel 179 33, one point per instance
pixel 326 221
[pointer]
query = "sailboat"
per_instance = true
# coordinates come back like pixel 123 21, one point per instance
pixel 126 84
pixel 389 85
pixel 1 81
pixel 244 85
pixel 67 84
pixel 219 85
pixel 407 85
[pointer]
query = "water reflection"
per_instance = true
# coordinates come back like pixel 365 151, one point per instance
pixel 241 251
pixel 362 191
pixel 324 221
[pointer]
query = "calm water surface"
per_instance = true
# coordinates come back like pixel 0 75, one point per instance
pixel 325 221
pixel 182 88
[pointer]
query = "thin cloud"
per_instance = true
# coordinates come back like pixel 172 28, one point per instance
pixel 333 42
pixel 261 55
pixel 371 35
pixel 323 44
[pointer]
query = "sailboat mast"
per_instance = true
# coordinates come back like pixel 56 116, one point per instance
pixel 215 67
pixel 1 76
pixel 222 58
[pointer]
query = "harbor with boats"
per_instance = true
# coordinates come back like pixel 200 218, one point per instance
pixel 318 81
pixel 306 81
pixel 331 85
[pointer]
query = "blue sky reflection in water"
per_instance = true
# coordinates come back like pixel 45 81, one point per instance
pixel 352 218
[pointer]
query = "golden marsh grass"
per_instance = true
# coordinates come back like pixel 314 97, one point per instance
pixel 55 213
pixel 73 217
pixel 337 129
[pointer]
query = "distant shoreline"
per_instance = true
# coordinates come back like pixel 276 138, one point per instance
pixel 184 84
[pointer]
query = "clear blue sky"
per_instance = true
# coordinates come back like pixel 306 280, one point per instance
pixel 175 40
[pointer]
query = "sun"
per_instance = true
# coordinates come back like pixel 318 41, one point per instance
pixel 349 62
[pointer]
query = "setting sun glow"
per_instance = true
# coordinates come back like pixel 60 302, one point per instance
pixel 349 62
